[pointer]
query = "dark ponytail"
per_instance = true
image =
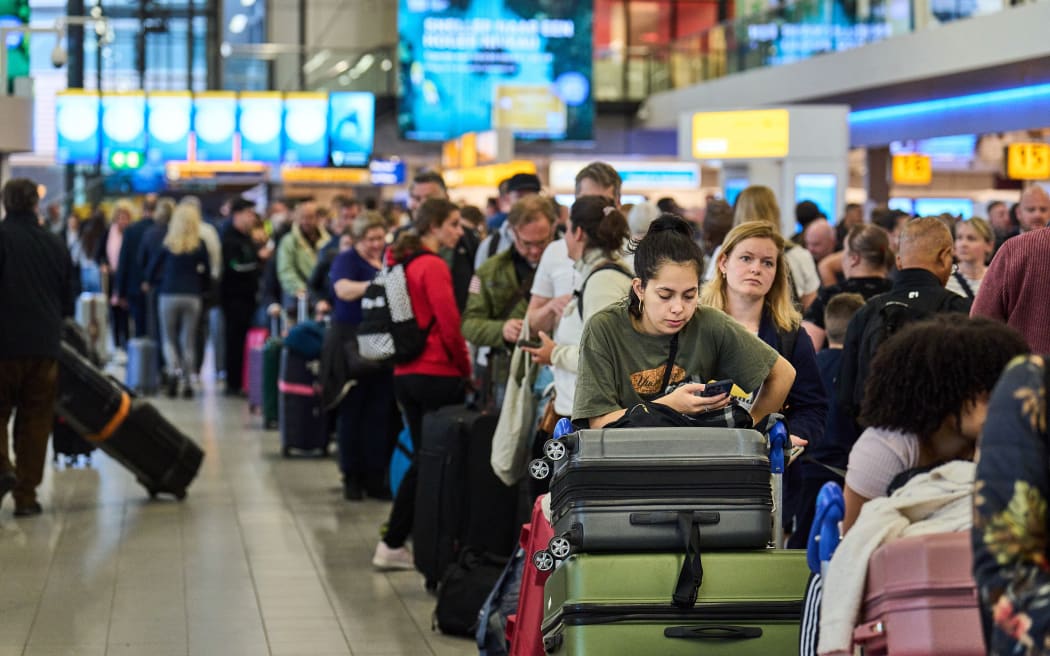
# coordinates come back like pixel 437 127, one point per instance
pixel 669 240
pixel 605 226
pixel 431 214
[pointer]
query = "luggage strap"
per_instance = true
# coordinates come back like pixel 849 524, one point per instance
pixel 114 422
pixel 689 522
pixel 295 389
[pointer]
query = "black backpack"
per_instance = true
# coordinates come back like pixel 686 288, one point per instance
pixel 463 591
pixel 893 314
pixel 388 332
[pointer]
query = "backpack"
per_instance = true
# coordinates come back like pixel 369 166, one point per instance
pixel 388 332
pixel 606 266
pixel 894 314
pixel 463 591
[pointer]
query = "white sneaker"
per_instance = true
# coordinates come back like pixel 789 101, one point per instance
pixel 386 558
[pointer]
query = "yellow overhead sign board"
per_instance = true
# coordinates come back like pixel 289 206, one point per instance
pixel 1028 161
pixel 487 176
pixel 750 134
pixel 912 170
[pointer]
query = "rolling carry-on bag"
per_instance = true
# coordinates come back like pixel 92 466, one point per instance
pixel 749 604
pixel 626 489
pixel 251 372
pixel 300 414
pixel 271 370
pixel 142 374
pixel 921 599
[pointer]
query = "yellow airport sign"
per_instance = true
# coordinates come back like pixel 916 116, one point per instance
pixel 1028 161
pixel 915 170
pixel 324 175
pixel 748 134
pixel 487 176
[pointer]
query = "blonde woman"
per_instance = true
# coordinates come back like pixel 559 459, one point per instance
pixel 753 287
pixel 974 245
pixel 759 203
pixel 181 273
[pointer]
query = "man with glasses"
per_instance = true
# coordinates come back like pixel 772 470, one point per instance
pixel 500 288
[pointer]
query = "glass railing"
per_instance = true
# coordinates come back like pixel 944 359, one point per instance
pixel 806 29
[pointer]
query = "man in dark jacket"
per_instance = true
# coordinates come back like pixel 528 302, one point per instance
pixel 129 273
pixel 35 294
pixel 241 268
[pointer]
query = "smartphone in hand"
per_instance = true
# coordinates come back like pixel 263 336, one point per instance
pixel 717 388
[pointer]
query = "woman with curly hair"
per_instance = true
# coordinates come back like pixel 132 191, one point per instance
pixel 1011 557
pixel 925 401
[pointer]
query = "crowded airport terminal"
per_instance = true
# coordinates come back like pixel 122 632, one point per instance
pixel 524 328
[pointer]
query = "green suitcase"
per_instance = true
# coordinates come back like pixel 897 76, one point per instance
pixel 749 604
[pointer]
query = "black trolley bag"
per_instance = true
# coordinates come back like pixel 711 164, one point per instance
pixel 645 489
pixel 129 430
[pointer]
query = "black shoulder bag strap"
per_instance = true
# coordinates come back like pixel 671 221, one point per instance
pixel 494 243
pixel 669 367
pixel 964 284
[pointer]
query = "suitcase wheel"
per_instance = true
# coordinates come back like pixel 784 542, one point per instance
pixel 543 561
pixel 286 452
pixel 539 469
pixel 554 449
pixel 560 547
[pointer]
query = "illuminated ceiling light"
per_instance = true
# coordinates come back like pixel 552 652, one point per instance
pixel 362 65
pixel 940 105
pixel 341 67
pixel 238 23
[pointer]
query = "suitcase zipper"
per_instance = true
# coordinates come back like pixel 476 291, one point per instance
pixel 592 614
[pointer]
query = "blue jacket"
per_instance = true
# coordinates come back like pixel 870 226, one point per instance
pixel 806 408
pixel 186 273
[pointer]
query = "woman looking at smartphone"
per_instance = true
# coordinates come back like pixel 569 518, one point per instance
pixel 659 346
pixel 752 286
pixel 597 231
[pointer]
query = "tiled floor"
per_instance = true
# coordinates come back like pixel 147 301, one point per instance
pixel 263 557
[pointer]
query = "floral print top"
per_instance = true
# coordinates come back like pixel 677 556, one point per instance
pixel 1010 541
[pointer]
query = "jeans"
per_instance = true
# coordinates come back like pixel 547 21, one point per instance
pixel 179 318
pixel 417 395
pixel 27 387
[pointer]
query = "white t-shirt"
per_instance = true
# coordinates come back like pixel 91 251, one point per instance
pixel 555 275
pixel 803 270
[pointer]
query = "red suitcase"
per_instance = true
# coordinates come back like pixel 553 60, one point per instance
pixel 523 628
pixel 920 599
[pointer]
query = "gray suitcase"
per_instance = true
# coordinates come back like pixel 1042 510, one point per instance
pixel 651 489
pixel 93 314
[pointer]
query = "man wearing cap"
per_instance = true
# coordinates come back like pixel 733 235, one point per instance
pixel 519 186
pixel 241 264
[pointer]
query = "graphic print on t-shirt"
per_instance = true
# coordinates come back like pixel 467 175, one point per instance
pixel 647 383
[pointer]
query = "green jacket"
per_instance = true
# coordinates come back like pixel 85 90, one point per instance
pixel 493 289
pixel 296 259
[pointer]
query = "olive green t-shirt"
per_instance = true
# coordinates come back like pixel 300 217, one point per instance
pixel 620 367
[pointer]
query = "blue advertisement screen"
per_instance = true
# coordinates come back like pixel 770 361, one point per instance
pixel 260 127
pixel 351 127
pixel 474 65
pixel 215 123
pixel 123 124
pixel 306 129
pixel 168 126
pixel 733 187
pixel 76 122
pixel 819 188
pixel 960 207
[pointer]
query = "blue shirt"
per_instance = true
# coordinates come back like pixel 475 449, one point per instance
pixel 349 265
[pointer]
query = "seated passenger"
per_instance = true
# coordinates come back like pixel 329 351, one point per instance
pixel 925 401
pixel 659 346
pixel 1010 549
pixel 596 233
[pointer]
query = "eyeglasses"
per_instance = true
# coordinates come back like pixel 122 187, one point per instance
pixel 531 245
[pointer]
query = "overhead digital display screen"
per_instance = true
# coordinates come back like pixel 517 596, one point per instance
pixel 168 126
pixel 306 129
pixel 123 127
pixel 214 124
pixel 77 124
pixel 260 117
pixel 351 127
pixel 472 65
pixel 818 188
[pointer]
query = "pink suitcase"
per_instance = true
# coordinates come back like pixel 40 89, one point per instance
pixel 921 599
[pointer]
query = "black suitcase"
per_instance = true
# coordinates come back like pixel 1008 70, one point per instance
pixel 459 501
pixel 68 446
pixel 162 458
pixel 129 430
pixel 626 490
pixel 300 414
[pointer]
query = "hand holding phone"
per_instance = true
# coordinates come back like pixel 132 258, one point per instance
pixel 717 388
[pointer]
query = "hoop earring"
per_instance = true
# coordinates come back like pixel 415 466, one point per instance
pixel 641 307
